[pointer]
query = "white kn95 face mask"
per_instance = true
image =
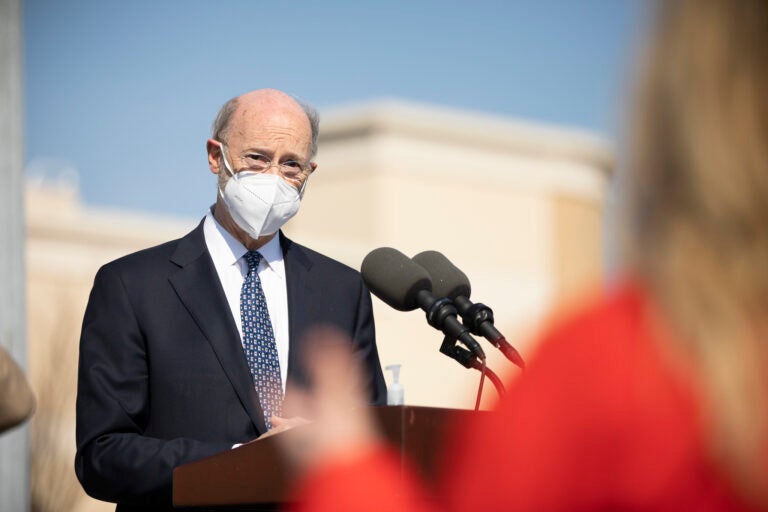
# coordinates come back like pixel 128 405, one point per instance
pixel 259 203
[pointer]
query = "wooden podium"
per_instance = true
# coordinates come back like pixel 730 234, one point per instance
pixel 255 477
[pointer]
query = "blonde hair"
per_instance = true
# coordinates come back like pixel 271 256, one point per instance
pixel 698 198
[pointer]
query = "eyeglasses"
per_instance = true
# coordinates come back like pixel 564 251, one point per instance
pixel 291 170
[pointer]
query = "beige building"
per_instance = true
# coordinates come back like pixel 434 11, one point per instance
pixel 518 207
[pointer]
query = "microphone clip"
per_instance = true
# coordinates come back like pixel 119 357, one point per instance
pixel 442 315
pixel 463 356
pixel 475 316
pixel 438 311
pixel 468 360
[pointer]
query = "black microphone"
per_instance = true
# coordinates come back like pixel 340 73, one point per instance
pixel 449 281
pixel 402 284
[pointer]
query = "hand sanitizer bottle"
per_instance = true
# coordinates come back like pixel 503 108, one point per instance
pixel 395 392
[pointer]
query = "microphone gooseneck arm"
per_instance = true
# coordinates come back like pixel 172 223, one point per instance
pixel 478 318
pixel 449 281
pixel 441 314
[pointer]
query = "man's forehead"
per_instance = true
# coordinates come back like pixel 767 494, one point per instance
pixel 268 99
pixel 268 104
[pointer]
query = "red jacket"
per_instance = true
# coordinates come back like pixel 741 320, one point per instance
pixel 603 419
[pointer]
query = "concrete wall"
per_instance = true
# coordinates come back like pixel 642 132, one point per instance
pixel 14 452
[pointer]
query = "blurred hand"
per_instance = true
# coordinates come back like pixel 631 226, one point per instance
pixel 342 424
pixel 280 424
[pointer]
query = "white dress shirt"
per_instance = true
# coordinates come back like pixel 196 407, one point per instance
pixel 227 253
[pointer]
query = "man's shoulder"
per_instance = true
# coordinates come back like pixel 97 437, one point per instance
pixel 144 260
pixel 143 257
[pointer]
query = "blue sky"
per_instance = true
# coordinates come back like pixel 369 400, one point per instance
pixel 124 92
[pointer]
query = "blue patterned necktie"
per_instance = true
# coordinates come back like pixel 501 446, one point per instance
pixel 259 341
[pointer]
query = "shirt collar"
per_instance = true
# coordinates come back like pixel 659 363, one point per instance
pixel 225 249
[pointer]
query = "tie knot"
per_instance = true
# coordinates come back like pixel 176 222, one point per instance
pixel 252 258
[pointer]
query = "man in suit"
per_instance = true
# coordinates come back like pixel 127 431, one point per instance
pixel 186 347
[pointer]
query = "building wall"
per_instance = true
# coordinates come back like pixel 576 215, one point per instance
pixel 14 460
pixel 66 244
pixel 517 207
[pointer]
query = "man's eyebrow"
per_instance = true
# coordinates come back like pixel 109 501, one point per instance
pixel 288 155
pixel 254 149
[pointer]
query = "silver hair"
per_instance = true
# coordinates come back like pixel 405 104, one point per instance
pixel 220 124
pixel 314 123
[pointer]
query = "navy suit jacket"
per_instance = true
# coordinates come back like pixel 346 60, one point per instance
pixel 162 377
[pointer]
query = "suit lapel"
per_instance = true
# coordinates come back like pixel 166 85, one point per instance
pixel 199 289
pixel 297 276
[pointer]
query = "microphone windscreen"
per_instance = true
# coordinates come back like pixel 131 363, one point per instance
pixel 394 278
pixel 447 279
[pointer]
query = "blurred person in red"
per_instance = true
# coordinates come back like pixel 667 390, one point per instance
pixel 651 396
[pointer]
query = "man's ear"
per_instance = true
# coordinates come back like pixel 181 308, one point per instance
pixel 214 155
pixel 313 166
